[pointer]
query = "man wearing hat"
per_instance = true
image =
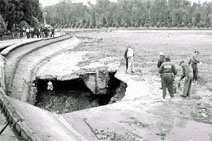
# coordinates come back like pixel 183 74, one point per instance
pixel 168 72
pixel 161 60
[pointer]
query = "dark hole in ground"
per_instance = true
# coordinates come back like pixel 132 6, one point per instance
pixel 73 95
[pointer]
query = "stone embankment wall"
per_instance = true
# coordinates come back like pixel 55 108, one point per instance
pixel 19 122
pixel 23 122
pixel 13 117
pixel 98 81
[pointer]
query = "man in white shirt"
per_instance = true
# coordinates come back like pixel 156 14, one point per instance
pixel 50 87
pixel 194 61
pixel 129 56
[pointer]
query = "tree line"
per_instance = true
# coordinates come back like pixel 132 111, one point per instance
pixel 18 13
pixel 131 13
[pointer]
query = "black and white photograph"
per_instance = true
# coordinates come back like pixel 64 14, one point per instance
pixel 105 70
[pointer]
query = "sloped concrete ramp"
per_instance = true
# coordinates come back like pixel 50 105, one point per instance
pixel 43 124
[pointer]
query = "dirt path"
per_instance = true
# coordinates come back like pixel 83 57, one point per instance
pixel 21 81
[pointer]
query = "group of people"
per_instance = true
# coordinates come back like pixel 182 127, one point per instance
pixel 40 32
pixel 31 32
pixel 168 73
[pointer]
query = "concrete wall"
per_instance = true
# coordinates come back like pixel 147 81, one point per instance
pixel 15 119
pixel 97 81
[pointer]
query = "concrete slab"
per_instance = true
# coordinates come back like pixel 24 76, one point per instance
pixel 72 63
pixel 67 62
pixel 23 73
pixel 45 125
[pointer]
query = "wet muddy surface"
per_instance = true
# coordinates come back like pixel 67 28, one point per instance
pixel 73 95
pixel 67 96
pixel 65 101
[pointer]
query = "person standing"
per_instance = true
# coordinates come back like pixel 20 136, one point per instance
pixel 37 32
pixel 188 75
pixel 50 87
pixel 28 33
pixel 194 61
pixel 161 60
pixel 168 72
pixel 129 57
pixel 32 32
pixel 52 31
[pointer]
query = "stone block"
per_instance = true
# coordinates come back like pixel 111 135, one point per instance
pixel 90 81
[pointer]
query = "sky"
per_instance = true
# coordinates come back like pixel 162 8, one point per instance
pixel 51 2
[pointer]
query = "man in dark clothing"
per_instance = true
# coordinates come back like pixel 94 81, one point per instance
pixel 168 72
pixel 52 32
pixel 194 61
pixel 28 33
pixel 188 75
pixel 37 32
pixel 161 60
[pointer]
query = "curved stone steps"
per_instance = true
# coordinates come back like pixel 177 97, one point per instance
pixel 22 76
pixel 13 57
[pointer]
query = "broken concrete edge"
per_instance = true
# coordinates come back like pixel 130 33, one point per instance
pixel 91 77
pixel 76 74
pixel 22 127
pixel 45 60
pixel 9 49
pixel 15 119
pixel 65 37
pixel 36 67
